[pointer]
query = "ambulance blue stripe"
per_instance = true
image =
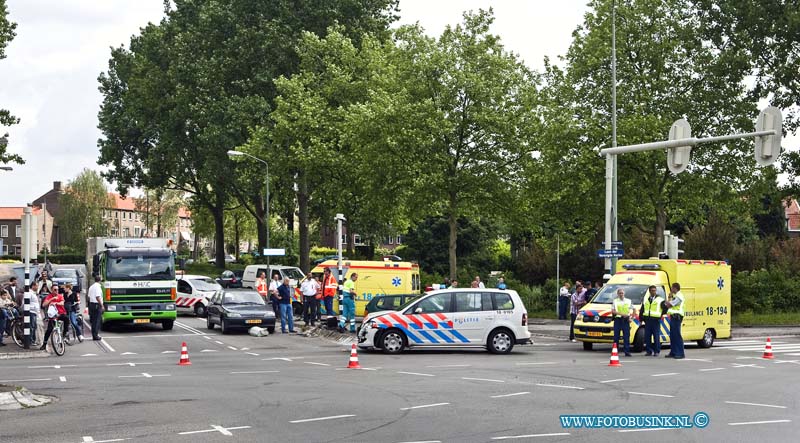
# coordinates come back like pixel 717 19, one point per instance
pixel 665 329
pixel 444 336
pixel 408 333
pixel 428 336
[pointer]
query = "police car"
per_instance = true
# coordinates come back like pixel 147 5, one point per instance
pixel 493 318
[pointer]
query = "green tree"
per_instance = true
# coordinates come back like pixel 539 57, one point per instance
pixel 160 209
pixel 6 119
pixel 446 125
pixel 81 212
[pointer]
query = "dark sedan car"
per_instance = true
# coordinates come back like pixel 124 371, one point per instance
pixel 63 276
pixel 231 279
pixel 388 302
pixel 239 309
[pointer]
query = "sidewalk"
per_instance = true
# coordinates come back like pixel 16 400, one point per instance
pixel 11 351
pixel 560 328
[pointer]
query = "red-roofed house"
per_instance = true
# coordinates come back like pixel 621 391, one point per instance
pixel 11 229
pixel 792 212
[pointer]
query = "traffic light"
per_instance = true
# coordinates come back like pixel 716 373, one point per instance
pixel 768 147
pixel 678 158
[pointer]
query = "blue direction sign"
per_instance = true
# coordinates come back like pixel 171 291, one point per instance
pixel 610 253
pixel 617 244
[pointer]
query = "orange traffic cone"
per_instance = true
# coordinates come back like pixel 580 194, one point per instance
pixel 768 350
pixel 614 357
pixel 353 358
pixel 184 361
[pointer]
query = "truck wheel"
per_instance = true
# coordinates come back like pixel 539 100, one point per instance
pixel 200 310
pixel 167 324
pixel 638 340
pixel 587 346
pixel 708 339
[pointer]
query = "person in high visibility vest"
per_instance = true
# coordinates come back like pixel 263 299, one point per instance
pixel 622 310
pixel 261 286
pixel 349 303
pixel 651 314
pixel 674 305
pixel 329 290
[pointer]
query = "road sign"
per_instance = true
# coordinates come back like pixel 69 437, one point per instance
pixel 615 244
pixel 609 253
pixel 678 158
pixel 275 252
pixel 768 147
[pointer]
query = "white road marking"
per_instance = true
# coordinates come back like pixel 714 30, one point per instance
pixel 128 353
pixel 537 363
pixel 169 352
pixel 89 355
pixel 62 378
pixel 51 367
pixel 755 404
pixel 737 365
pixel 432 405
pixel 89 439
pixel 510 395
pixel 209 350
pixel 252 353
pixel 357 369
pixel 315 363
pixel 695 359
pixel 191 329
pixel 146 335
pixel 651 395
pixel 545 385
pixel 665 374
pixel 423 441
pixel 30 379
pixel 483 379
pixel 277 358
pixel 449 366
pixel 232 348
pixel 333 417
pixel 104 343
pixel 512 437
pixel 711 369
pixel 645 430
pixel 254 372
pixel 131 364
pixel 794 355
pixel 416 373
pixel 614 380
pixel 207 337
pixel 244 349
pixel 216 428
pixel 144 375
pixel 759 422
pixel 797 362
pixel 218 342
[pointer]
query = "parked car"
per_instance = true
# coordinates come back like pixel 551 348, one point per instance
pixel 194 292
pixel 252 272
pixel 228 259
pixel 388 302
pixel 231 279
pixel 63 276
pixel 326 258
pixel 239 309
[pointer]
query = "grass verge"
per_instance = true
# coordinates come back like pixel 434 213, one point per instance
pixel 774 318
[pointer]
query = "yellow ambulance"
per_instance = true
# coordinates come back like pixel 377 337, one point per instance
pixel 374 278
pixel 706 285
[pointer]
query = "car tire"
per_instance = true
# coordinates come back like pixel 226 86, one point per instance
pixel 638 340
pixel 500 341
pixel 209 325
pixel 168 324
pixel 200 310
pixel 587 346
pixel 708 339
pixel 222 327
pixel 393 341
pixel 271 329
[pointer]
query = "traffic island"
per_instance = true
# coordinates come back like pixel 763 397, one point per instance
pixel 17 397
pixel 329 334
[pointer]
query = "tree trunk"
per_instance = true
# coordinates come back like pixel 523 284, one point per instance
pixel 302 206
pixel 658 230
pixel 236 237
pixel 453 224
pixel 219 231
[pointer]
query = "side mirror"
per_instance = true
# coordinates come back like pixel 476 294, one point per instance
pixel 418 311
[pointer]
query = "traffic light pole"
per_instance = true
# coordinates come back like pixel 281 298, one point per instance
pixel 768 134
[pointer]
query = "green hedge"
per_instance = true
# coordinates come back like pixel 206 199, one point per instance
pixel 765 291
pixel 56 259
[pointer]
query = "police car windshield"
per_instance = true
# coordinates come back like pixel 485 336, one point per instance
pixel 635 293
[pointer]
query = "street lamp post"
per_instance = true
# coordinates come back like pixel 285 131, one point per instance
pixel 234 153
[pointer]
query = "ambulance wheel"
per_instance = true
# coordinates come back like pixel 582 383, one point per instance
pixel 501 341
pixel 393 341
pixel 200 310
pixel 167 324
pixel 209 325
pixel 638 340
pixel 587 346
pixel 708 339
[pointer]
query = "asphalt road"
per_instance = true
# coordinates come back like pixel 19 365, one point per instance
pixel 296 389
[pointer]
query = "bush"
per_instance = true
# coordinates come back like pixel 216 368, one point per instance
pixel 765 291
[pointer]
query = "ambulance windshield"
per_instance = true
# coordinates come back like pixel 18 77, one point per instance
pixel 635 293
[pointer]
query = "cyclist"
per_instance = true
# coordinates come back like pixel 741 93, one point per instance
pixel 57 300
pixel 73 306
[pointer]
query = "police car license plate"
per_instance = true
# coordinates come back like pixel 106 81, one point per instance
pixel 253 321
pixel 594 334
pixel 141 320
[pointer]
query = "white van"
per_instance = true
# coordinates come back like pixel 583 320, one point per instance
pixel 251 272
pixel 491 318
pixel 194 291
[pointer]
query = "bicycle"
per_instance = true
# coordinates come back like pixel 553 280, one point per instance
pixel 72 334
pixel 57 337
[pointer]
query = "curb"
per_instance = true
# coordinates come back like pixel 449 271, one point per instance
pixel 331 335
pixel 23 354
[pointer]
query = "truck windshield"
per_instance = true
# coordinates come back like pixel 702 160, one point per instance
pixel 140 267
pixel 635 293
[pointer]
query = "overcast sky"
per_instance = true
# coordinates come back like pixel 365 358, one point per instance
pixel 49 79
